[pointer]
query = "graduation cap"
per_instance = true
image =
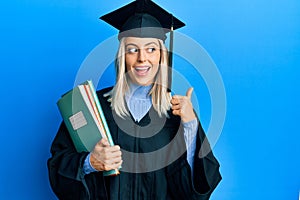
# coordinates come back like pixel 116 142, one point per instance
pixel 144 18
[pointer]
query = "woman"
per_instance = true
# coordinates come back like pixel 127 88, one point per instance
pixel 158 137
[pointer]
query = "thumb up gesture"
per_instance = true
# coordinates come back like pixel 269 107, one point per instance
pixel 182 106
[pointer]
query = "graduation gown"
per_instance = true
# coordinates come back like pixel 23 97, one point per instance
pixel 154 162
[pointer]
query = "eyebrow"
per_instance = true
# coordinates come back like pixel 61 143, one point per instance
pixel 147 44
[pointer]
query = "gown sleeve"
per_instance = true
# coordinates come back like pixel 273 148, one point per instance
pixel 206 175
pixel 65 168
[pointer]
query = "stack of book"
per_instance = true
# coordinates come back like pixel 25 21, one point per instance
pixel 84 119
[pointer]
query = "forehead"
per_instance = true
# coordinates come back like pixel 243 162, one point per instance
pixel 141 41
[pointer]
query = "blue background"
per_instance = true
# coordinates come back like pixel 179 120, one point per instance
pixel 255 44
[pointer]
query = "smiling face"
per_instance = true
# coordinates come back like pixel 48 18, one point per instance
pixel 142 57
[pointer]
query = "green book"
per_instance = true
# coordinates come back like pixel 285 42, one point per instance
pixel 84 119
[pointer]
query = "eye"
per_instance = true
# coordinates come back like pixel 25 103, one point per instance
pixel 132 50
pixel 150 50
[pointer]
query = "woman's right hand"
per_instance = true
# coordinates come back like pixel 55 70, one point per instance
pixel 105 157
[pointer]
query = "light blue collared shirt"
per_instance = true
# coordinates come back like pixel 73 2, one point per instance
pixel 139 103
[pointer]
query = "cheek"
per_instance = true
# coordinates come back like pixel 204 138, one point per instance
pixel 128 62
pixel 127 66
pixel 155 58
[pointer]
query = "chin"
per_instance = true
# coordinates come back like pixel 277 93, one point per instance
pixel 143 83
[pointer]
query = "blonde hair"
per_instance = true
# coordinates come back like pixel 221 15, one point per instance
pixel 159 91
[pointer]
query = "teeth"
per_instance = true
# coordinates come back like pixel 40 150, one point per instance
pixel 142 68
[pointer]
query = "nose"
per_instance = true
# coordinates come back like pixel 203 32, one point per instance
pixel 142 56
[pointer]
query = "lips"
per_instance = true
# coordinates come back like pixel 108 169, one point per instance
pixel 141 70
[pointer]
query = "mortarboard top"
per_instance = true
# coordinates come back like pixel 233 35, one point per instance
pixel 147 18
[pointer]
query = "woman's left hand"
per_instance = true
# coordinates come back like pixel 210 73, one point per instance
pixel 183 107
